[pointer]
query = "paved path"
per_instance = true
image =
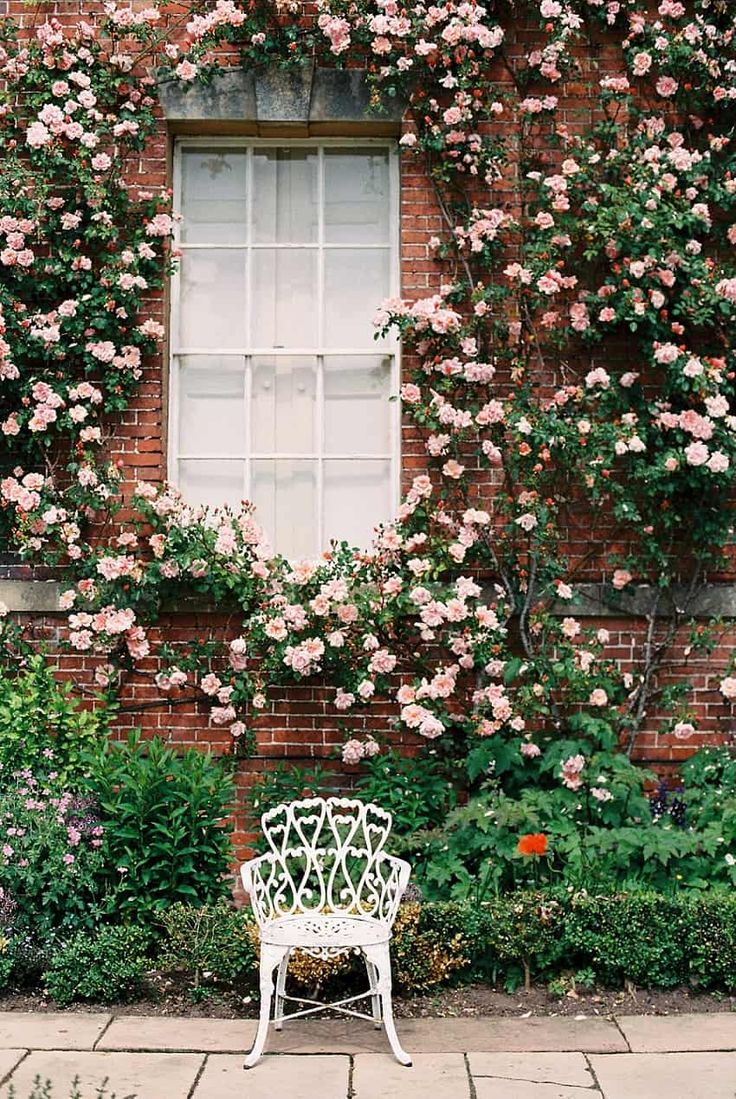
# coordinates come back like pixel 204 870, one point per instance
pixel 625 1057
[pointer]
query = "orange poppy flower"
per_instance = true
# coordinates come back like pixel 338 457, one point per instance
pixel 535 843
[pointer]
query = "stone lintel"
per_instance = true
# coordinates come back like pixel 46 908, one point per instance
pixel 295 101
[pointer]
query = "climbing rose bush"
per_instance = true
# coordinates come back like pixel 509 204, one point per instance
pixel 575 361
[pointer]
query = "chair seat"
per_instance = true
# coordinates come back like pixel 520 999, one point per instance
pixel 320 931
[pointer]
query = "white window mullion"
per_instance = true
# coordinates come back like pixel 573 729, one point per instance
pixel 319 427
pixel 247 405
pixel 248 305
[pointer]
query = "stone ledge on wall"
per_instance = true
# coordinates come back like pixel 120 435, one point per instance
pixel 302 97
pixel 589 601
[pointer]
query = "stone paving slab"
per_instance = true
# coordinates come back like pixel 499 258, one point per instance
pixel 487 1088
pixel 145 1075
pixel 275 1078
pixel 432 1076
pixel 9 1058
pixel 484 1035
pixel 147 1032
pixel 675 1075
pixel 52 1030
pixel 550 1068
pixel 662 1033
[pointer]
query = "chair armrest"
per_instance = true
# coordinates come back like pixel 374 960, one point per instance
pixel 246 875
pixel 400 872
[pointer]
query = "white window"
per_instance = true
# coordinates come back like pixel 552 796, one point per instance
pixel 280 393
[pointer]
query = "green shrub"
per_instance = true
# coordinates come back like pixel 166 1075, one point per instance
pixel 215 943
pixel 710 940
pixel 41 720
pixel 106 965
pixel 429 946
pixel 167 838
pixel 640 938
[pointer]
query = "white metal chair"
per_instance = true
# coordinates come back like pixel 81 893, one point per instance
pixel 326 887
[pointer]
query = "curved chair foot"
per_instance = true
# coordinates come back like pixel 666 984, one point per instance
pixel 379 956
pixel 271 956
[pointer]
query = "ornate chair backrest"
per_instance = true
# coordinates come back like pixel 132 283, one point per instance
pixel 327 855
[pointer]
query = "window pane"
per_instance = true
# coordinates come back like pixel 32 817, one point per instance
pixel 212 482
pixel 211 406
pixel 285 495
pixel 356 196
pixel 356 282
pixel 357 496
pixel 213 196
pixel 284 298
pixel 283 406
pixel 357 414
pixel 212 307
pixel 285 196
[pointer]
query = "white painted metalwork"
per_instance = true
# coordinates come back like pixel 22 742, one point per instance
pixel 328 887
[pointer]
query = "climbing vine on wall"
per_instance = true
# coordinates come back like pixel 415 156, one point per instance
pixel 576 361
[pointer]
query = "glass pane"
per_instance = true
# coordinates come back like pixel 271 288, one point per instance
pixel 213 196
pixel 356 282
pixel 212 306
pixel 284 196
pixel 212 482
pixel 285 495
pixel 211 406
pixel 357 414
pixel 357 496
pixel 356 196
pixel 284 396
pixel 284 298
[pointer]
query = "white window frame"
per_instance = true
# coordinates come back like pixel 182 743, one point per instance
pixel 390 350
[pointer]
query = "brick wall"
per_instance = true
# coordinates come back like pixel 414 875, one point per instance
pixel 298 724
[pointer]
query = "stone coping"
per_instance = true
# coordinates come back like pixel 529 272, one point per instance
pixel 589 600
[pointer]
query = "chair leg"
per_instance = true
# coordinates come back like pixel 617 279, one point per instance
pixel 379 956
pixel 375 998
pixel 278 1014
pixel 271 956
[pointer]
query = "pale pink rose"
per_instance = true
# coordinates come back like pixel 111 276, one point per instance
pixel 570 627
pixel 598 697
pixel 621 578
pixel 571 772
pixel 352 752
pixel 343 699
pixel 727 688
pixel 210 684
pixel 185 70
pixel 666 86
pixel 697 454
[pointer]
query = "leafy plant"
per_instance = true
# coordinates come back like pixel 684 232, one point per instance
pixel 214 943
pixel 167 834
pixel 417 791
pixel 51 853
pixel 43 1089
pixel 105 965
pixel 41 720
